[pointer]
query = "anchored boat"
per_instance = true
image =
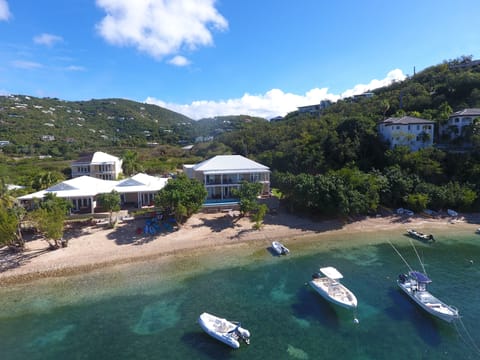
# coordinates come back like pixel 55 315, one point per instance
pixel 420 236
pixel 228 332
pixel 414 284
pixel 327 284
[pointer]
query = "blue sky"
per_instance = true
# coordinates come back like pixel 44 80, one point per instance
pixel 205 57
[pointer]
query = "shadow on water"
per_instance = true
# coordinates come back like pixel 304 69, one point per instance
pixel 272 251
pixel 207 345
pixel 312 306
pixel 404 309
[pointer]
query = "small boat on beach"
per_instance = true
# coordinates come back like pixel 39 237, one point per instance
pixel 420 236
pixel 327 285
pixel 228 332
pixel 414 284
pixel 279 248
pixel 452 213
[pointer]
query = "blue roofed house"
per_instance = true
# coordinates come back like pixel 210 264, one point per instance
pixel 223 173
pixel 408 131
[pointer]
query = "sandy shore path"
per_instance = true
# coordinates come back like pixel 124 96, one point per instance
pixel 95 247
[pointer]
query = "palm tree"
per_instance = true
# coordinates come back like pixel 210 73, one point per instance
pixel 130 163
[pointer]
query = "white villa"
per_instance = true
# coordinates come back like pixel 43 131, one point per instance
pixel 137 191
pixel 98 165
pixel 223 173
pixel 458 122
pixel 408 131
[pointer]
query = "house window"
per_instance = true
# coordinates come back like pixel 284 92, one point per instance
pixel 457 120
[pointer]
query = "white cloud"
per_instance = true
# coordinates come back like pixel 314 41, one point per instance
pixel 273 103
pixel 160 27
pixel 4 11
pixel 47 39
pixel 75 68
pixel 179 61
pixel 28 65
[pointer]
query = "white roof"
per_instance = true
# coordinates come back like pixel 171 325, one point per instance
pixel 101 157
pixel 331 273
pixel 87 186
pixel 223 164
pixel 141 183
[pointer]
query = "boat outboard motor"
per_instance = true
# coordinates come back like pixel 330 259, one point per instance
pixel 244 334
pixel 315 275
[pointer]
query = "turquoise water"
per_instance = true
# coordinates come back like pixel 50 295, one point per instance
pixel 150 311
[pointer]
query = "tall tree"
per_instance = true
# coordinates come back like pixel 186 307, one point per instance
pixel 111 202
pixel 248 193
pixel 50 218
pixel 182 197
pixel 130 164
pixel 10 232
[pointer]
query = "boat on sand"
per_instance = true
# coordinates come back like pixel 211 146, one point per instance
pixel 228 332
pixel 327 284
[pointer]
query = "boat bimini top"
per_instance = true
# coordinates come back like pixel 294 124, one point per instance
pixel 331 273
pixel 420 277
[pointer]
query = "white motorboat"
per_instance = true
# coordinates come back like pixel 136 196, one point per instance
pixel 279 248
pixel 228 332
pixel 414 284
pixel 420 236
pixel 327 285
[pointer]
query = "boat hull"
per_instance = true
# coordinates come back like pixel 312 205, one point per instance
pixel 223 330
pixel 350 304
pixel 279 248
pixel 440 310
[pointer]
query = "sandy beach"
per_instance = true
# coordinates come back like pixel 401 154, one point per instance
pixel 94 247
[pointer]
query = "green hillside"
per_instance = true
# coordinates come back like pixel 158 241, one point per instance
pixel 336 163
pixel 46 126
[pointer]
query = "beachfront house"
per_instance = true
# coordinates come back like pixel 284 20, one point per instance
pixel 408 131
pixel 98 165
pixel 223 173
pixel 459 124
pixel 136 191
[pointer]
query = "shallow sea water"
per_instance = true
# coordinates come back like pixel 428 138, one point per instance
pixel 150 310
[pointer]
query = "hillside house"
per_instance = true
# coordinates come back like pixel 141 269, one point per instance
pixel 408 131
pixel 315 109
pixel 223 173
pixel 459 123
pixel 98 165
